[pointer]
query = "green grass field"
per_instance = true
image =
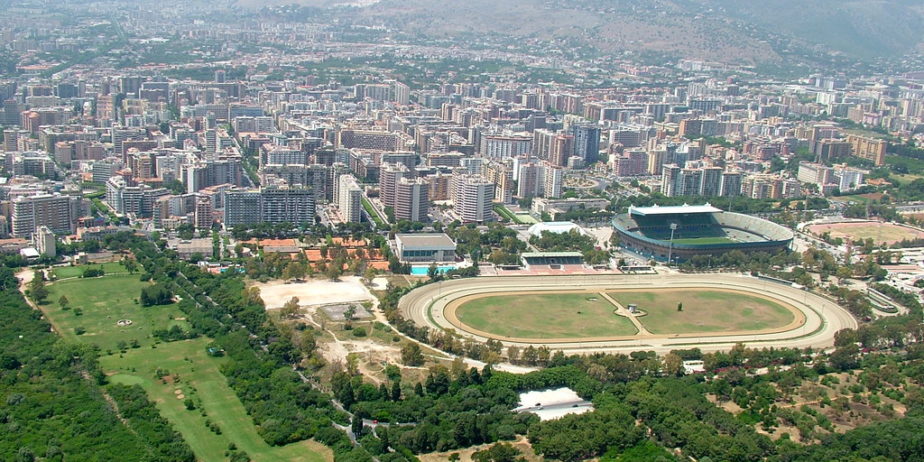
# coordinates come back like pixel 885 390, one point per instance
pixel 545 316
pixel 104 301
pixel 704 240
pixel 196 375
pixel 704 311
pixel 62 272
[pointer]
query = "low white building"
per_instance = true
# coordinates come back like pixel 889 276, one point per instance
pixel 425 247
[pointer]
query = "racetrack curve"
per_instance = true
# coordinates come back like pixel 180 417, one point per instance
pixel 426 306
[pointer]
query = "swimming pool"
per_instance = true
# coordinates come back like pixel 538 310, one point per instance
pixel 422 270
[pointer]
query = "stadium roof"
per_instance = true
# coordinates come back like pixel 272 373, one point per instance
pixel 551 254
pixel 673 210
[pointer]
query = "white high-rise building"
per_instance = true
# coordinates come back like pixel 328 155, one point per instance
pixel 54 211
pixel 472 198
pixel 554 175
pixel 389 176
pixel 44 241
pixel 349 199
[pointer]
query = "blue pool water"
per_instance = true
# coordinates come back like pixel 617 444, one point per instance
pixel 422 270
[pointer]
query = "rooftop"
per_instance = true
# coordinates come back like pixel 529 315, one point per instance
pixel 426 241
pixel 552 254
pixel 673 209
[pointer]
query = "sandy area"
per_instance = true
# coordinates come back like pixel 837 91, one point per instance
pixel 881 233
pixel 549 397
pixel 374 355
pixel 315 292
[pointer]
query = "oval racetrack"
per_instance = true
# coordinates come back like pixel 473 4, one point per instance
pixel 434 306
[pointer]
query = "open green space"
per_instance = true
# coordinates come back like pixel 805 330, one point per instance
pixel 367 206
pixel 704 240
pixel 704 311
pixel 905 178
pixel 103 301
pixel 526 218
pixel 517 218
pixel 189 370
pixel 62 272
pixel 545 316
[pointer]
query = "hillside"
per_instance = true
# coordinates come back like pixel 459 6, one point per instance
pixel 738 31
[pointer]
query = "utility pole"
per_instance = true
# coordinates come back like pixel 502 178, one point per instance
pixel 670 245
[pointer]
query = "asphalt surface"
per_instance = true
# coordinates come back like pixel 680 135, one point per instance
pixel 823 318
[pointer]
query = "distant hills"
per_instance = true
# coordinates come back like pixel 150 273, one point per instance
pixel 741 31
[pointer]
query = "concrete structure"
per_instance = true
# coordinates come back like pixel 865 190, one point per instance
pixel 472 198
pixel 54 211
pixel 501 147
pixel 426 247
pixel 682 232
pixel 203 213
pixel 294 205
pixel 201 247
pixel 389 175
pixel 349 199
pixel 412 200
pixel 44 241
pixel 868 148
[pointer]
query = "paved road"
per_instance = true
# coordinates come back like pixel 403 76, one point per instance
pixel 823 318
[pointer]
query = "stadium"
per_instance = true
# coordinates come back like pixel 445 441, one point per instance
pixel 678 233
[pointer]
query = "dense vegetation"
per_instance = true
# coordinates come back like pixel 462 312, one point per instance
pixel 285 407
pixel 53 407
pixel 572 241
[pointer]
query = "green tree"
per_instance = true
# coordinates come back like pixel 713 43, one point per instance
pixel 411 354
pixel 500 452
pixel 290 308
pixel 334 270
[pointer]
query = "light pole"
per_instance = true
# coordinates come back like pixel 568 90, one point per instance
pixel 670 245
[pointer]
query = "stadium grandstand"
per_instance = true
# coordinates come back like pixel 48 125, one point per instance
pixel 552 260
pixel 680 232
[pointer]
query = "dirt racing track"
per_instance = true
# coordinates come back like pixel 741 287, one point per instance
pixel 817 319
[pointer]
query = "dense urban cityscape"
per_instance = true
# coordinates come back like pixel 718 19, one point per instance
pixel 373 230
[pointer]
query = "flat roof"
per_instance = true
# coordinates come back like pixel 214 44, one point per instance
pixel 426 241
pixel 551 254
pixel 673 209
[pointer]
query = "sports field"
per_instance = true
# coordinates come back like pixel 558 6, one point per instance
pixel 62 272
pixel 102 302
pixel 545 316
pixel 704 311
pixel 196 375
pixel 880 233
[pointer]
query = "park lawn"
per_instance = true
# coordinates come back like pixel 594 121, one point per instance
pixel 526 218
pixel 104 301
pixel 545 316
pixel 704 311
pixel 62 272
pixel 904 178
pixel 197 376
pixel 704 240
